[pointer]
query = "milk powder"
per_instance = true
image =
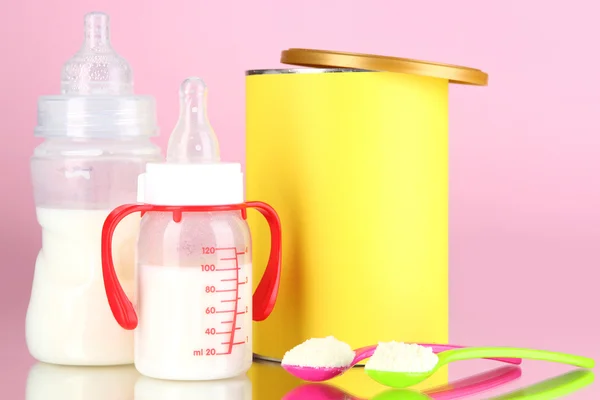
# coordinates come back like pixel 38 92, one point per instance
pixel 325 352
pixel 68 320
pixel 401 357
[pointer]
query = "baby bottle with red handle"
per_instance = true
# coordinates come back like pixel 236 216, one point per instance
pixel 193 307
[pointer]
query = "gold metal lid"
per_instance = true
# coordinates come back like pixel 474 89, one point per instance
pixel 335 59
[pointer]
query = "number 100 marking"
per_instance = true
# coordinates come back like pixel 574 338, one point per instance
pixel 208 267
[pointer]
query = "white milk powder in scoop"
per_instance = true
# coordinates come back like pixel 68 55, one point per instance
pixel 401 357
pixel 325 352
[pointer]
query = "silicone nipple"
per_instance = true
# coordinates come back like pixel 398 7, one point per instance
pixel 193 139
pixel 96 68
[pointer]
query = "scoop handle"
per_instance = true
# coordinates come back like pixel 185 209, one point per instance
pixel 367 352
pixel 470 353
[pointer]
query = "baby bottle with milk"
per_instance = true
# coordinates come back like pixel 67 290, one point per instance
pixel 96 142
pixel 193 309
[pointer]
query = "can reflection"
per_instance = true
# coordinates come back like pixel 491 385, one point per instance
pixel 270 380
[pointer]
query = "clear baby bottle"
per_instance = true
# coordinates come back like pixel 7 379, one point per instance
pixel 194 306
pixel 96 143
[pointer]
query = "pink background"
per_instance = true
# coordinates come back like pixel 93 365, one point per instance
pixel 525 187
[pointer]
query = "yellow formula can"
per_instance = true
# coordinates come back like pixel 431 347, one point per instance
pixel 355 161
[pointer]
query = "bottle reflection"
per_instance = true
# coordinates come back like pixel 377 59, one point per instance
pixel 57 382
pixel 238 388
pixel 464 387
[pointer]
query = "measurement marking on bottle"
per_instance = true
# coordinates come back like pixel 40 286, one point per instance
pixel 226 333
pixel 237 287
pixel 206 352
pixel 230 301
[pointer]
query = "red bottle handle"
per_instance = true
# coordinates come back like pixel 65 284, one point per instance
pixel 265 294
pixel 263 300
pixel 121 307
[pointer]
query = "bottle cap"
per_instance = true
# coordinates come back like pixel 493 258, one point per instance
pixel 203 184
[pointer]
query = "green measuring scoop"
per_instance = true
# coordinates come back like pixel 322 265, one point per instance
pixel 406 379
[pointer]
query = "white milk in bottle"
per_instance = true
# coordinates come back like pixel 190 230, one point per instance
pixel 96 143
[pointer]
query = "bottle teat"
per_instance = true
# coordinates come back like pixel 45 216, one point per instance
pixel 193 139
pixel 96 68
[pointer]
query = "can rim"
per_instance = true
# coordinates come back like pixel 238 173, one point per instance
pixel 280 71
pixel 337 59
